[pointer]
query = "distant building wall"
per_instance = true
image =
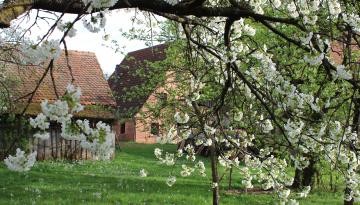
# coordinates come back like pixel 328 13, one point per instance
pixel 125 131
pixel 139 129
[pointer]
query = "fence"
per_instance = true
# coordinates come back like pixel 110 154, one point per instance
pixel 55 147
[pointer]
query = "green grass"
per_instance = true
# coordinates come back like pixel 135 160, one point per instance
pixel 118 182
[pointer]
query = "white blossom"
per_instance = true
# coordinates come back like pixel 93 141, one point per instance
pixel 291 7
pixel 277 3
pixel 99 4
pixel 172 2
pixel 353 20
pixel 307 40
pixel 66 26
pixel 314 61
pixel 284 194
pixel 267 126
pixel 179 153
pixel 209 130
pixel 181 118
pixel 238 116
pixel 171 181
pixel 42 135
pixel 143 173
pixel 95 23
pixel 304 193
pixel 334 7
pixel 20 162
pixel 169 159
pixel 208 142
pixel 39 54
pixel 293 202
pixel 186 171
pixel 101 150
pixel 342 73
pixel 201 166
pixel 158 153
pixel 40 122
pixel 249 30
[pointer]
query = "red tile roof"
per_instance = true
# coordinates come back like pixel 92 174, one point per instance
pixel 86 72
pixel 125 78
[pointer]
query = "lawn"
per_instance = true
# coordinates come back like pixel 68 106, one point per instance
pixel 118 182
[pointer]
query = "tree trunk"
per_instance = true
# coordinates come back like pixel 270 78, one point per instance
pixel 230 177
pixel 351 202
pixel 297 179
pixel 331 181
pixel 355 128
pixel 215 177
pixel 308 173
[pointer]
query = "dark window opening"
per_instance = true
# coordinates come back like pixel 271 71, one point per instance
pixel 163 97
pixel 122 128
pixel 154 128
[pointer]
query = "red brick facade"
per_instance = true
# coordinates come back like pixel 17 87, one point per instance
pixel 133 128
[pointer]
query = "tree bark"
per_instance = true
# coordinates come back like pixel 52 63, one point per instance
pixel 308 173
pixel 351 202
pixel 215 176
pixel 355 128
pixel 297 179
pixel 10 11
pixel 230 178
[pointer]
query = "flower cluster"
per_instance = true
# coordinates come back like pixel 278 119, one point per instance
pixel 98 140
pixel 20 162
pixel 143 173
pixel 186 171
pixel 171 181
pixel 38 54
pixel 201 166
pixel 181 118
pixel 172 2
pixel 267 126
pixel 353 20
pixel 168 159
pixel 67 26
pixel 243 28
pixel 40 122
pixel 95 23
pixel 99 4
pixel 341 73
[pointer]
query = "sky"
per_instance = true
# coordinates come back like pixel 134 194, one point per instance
pixel 93 42
pixel 108 59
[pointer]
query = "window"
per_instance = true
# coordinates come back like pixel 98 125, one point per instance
pixel 122 128
pixel 163 97
pixel 154 128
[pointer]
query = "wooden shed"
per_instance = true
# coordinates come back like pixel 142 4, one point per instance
pixel 81 70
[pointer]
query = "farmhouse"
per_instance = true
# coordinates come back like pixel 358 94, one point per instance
pixel 82 70
pixel 125 78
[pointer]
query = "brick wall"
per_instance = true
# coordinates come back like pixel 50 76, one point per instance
pixel 139 130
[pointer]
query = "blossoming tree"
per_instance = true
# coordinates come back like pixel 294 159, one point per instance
pixel 278 73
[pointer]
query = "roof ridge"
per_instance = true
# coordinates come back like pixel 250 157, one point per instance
pixel 147 48
pixel 79 51
pixel 122 79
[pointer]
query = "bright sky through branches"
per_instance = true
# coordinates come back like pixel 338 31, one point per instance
pixel 94 42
